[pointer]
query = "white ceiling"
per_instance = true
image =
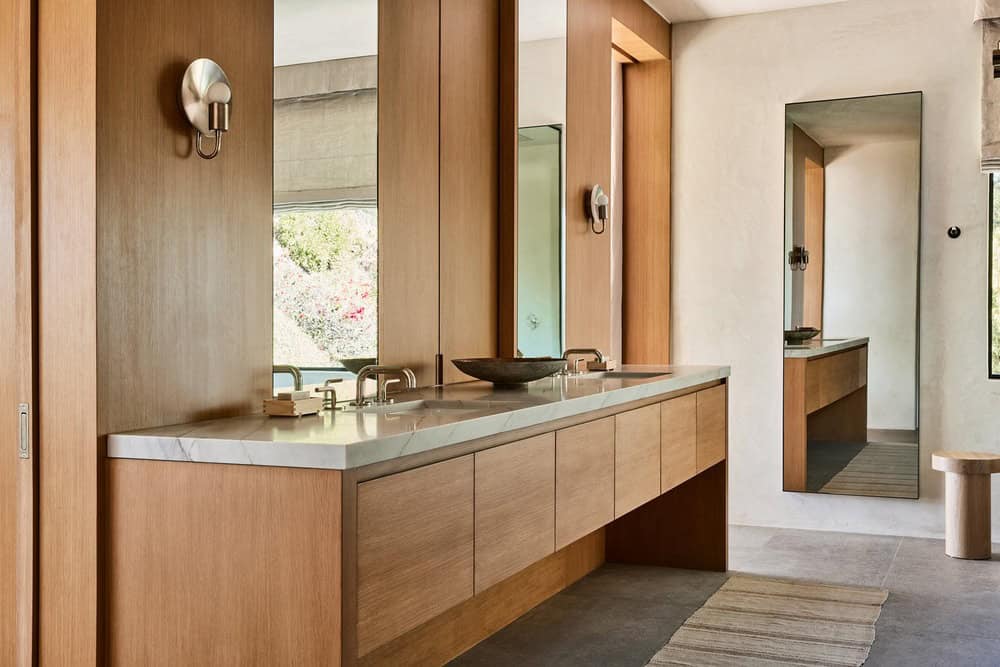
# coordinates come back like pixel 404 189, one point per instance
pixel 859 120
pixel 679 11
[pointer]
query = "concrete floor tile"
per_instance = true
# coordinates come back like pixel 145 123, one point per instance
pixel 899 649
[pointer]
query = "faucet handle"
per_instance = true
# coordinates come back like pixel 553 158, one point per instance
pixel 383 392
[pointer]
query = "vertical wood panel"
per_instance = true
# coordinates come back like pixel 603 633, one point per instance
pixel 585 479
pixel 17 246
pixel 508 153
pixel 415 548
pixel 678 440
pixel 67 341
pixel 469 181
pixel 588 163
pixel 183 244
pixel 794 451
pixel 513 530
pixel 712 426
pixel 408 184
pixel 188 541
pixel 646 219
pixel 637 458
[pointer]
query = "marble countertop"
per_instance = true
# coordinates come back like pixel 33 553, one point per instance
pixel 821 346
pixel 421 420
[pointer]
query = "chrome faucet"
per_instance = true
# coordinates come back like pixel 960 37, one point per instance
pixel 598 355
pixel 404 375
pixel 289 370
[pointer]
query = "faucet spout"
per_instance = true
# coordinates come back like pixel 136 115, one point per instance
pixel 597 354
pixel 404 375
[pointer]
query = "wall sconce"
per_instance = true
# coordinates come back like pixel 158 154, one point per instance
pixel 798 258
pixel 206 98
pixel 595 208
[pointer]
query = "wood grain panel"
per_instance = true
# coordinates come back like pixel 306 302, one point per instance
pixel 462 627
pixel 585 479
pixel 845 420
pixel 17 350
pixel 508 123
pixel 678 441
pixel 415 548
pixel 646 214
pixel 795 450
pixel 515 507
pixel 645 22
pixel 588 272
pixel 184 247
pixel 834 376
pixel 408 184
pixel 67 333
pixel 222 565
pixel 815 240
pixel 635 49
pixel 686 527
pixel 469 181
pixel 711 426
pixel 637 458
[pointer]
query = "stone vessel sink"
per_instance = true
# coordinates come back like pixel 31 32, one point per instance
pixel 510 372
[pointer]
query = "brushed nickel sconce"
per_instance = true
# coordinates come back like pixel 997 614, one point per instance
pixel 798 258
pixel 206 98
pixel 595 208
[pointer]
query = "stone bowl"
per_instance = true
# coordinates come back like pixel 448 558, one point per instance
pixel 800 334
pixel 510 372
pixel 355 365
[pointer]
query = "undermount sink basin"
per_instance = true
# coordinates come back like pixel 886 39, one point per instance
pixel 625 375
pixel 432 408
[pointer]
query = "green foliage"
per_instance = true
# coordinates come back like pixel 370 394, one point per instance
pixel 314 240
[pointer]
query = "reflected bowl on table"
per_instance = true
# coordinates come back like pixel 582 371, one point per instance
pixel 800 334
pixel 510 372
pixel 355 365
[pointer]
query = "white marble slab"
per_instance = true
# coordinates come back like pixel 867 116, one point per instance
pixel 817 348
pixel 341 440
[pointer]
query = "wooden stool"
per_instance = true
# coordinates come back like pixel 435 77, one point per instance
pixel 967 501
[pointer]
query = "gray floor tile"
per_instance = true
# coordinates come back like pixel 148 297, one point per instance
pixel 892 649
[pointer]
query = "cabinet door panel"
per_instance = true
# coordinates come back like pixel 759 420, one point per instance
pixel 711 426
pixel 678 441
pixel 515 507
pixel 637 458
pixel 415 548
pixel 585 479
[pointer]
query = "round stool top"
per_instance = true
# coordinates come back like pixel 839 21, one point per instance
pixel 969 463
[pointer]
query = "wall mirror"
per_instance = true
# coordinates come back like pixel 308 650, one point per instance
pixel 852 245
pixel 541 190
pixel 325 186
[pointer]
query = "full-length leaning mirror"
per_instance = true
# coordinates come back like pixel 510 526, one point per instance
pixel 541 200
pixel 852 245
pixel 325 187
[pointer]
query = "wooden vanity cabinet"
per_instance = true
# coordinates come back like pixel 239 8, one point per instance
pixel 637 458
pixel 415 548
pixel 678 441
pixel 711 427
pixel 515 507
pixel 585 479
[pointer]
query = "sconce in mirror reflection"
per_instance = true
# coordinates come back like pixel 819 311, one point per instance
pixel 206 98
pixel 798 258
pixel 595 207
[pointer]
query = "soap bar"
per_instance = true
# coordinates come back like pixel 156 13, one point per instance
pixel 606 365
pixel 293 395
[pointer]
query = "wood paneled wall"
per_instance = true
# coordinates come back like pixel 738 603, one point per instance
pixel 589 315
pixel 183 244
pixel 469 181
pixel 67 341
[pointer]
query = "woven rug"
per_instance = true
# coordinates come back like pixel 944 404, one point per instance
pixel 762 622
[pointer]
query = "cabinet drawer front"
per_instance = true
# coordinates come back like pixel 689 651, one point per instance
pixel 711 426
pixel 415 548
pixel 637 458
pixel 585 479
pixel 831 378
pixel 678 441
pixel 515 507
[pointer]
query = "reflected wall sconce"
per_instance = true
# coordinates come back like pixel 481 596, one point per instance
pixel 206 99
pixel 798 258
pixel 595 208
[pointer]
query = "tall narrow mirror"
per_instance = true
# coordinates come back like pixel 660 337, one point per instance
pixel 541 198
pixel 852 243
pixel 325 177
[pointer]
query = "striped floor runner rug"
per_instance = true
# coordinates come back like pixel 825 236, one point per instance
pixel 762 622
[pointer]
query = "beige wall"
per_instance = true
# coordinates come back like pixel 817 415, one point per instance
pixel 732 78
